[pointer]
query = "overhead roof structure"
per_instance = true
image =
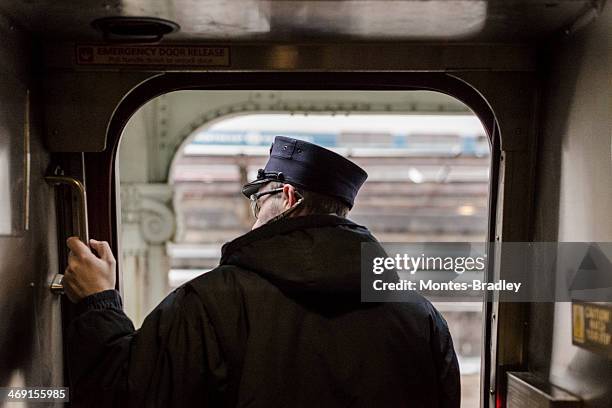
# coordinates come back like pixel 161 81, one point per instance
pixel 308 20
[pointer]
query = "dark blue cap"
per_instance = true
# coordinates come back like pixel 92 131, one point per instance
pixel 310 167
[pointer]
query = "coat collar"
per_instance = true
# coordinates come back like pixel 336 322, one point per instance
pixel 283 226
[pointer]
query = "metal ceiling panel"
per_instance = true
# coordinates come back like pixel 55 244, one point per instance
pixel 311 20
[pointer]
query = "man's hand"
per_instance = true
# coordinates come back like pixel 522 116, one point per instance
pixel 86 273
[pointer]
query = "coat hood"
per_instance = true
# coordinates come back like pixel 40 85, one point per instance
pixel 320 253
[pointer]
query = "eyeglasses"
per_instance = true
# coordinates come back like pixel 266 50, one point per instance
pixel 255 207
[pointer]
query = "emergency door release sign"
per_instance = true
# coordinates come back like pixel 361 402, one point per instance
pixel 170 55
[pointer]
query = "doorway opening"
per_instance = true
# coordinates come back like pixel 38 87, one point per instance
pixel 185 155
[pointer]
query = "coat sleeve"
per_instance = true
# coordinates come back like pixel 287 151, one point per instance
pixel 170 361
pixel 447 366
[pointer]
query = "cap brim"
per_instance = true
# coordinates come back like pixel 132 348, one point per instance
pixel 252 187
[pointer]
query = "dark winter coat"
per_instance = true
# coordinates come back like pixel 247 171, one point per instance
pixel 278 324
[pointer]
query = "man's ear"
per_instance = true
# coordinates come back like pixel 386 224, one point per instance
pixel 289 196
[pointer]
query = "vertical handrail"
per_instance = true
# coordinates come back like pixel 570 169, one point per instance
pixel 82 228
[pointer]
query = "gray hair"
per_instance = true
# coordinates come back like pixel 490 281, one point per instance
pixel 316 203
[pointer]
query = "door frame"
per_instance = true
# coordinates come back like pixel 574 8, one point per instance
pixel 503 344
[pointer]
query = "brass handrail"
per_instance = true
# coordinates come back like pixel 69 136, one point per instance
pixel 82 228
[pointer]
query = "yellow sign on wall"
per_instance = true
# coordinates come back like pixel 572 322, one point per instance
pixel 592 326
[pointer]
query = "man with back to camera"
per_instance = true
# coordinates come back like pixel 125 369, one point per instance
pixel 278 323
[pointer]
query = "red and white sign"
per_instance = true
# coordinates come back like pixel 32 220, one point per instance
pixel 167 55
